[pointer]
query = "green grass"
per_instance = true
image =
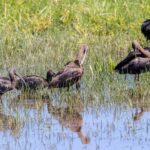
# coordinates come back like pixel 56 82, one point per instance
pixel 38 35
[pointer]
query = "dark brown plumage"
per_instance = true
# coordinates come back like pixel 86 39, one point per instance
pixel 135 63
pixel 33 82
pixel 72 71
pixel 8 83
pixel 136 66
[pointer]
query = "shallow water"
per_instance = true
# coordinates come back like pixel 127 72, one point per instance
pixel 27 123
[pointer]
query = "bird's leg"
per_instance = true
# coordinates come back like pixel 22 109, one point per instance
pixel 135 77
pixel 1 104
pixel 1 99
pixel 51 90
pixel 125 77
pixel 138 77
pixel 78 85
pixel 68 88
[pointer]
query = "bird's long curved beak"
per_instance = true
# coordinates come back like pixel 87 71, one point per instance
pixel 82 61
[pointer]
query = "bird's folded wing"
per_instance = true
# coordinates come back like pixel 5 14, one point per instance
pixel 67 75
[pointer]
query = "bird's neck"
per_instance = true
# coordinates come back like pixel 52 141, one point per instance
pixel 80 58
pixel 77 62
pixel 13 83
pixel 13 79
pixel 49 78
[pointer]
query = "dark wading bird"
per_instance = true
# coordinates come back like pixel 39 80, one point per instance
pixel 9 83
pixel 33 82
pixel 136 62
pixel 145 28
pixel 71 72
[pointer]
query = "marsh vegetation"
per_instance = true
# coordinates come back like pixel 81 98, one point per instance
pixel 108 112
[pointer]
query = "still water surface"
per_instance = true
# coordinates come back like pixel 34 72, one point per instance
pixel 42 124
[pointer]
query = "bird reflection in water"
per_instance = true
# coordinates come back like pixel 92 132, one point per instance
pixel 141 104
pixel 138 115
pixel 69 118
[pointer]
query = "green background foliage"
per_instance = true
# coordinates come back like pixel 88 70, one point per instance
pixel 36 35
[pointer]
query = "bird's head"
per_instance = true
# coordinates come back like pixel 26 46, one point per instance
pixel 82 54
pixel 145 28
pixel 14 75
pixel 50 74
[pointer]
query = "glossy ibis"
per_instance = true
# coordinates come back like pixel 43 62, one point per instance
pixel 72 72
pixel 34 82
pixel 136 62
pixel 9 83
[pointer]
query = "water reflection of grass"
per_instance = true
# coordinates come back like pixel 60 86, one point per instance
pixel 71 107
pixel 36 36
